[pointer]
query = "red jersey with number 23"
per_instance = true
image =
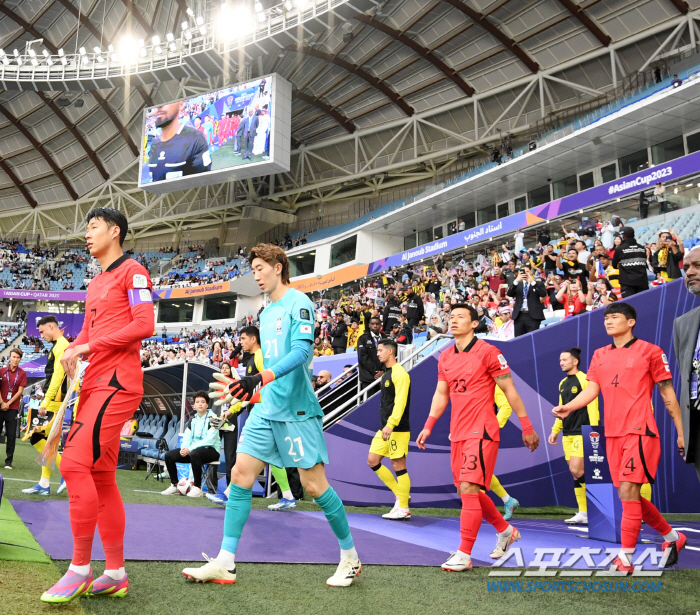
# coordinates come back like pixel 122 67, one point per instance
pixel 470 376
pixel 118 315
pixel 626 377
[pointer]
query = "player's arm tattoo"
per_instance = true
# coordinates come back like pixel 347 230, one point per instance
pixel 503 377
pixel 664 384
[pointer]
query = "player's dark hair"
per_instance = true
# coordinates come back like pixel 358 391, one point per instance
pixel 49 318
pixel 272 255
pixel 470 308
pixel 251 331
pixel 570 249
pixel 17 351
pixel 575 354
pixel 389 343
pixel 620 307
pixel 202 394
pixel 112 217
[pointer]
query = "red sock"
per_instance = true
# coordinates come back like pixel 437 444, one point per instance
pixel 82 497
pixel 469 521
pixel 631 523
pixel 491 514
pixel 111 520
pixel 652 517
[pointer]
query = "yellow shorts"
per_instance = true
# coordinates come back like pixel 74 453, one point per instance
pixel 393 448
pixel 573 446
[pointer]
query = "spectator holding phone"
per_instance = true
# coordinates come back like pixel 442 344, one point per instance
pixel 667 260
pixel 528 312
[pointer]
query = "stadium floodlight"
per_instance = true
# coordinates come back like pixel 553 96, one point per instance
pixel 301 3
pixel 45 53
pixel 156 40
pixel 49 61
pixel 261 17
pixel 170 37
pixel 82 51
pixel 288 5
pixel 258 7
pixel 15 52
pixel 64 60
pixel 142 43
pixel 97 50
pixel 158 49
pixel 188 35
pixel 32 52
pixel 6 60
pixel 173 46
pixel 200 21
pixel 110 48
pixel 35 62
pixel 190 12
pixel 203 30
pixel 185 25
pixel 144 53
pixel 100 59
pixel 19 61
pixel 60 52
pixel 2 53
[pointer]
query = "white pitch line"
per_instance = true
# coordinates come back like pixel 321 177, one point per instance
pixel 25 480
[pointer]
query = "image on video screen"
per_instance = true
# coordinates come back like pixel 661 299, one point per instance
pixel 209 132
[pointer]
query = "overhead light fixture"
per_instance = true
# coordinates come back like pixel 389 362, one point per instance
pixel 5 61
pixel 35 62
pixel 173 46
pixel 64 60
pixel 190 12
pixel 288 5
pixel 82 51
pixel 156 40
pixel 203 30
pixel 158 49
pixel 19 61
pixel 115 57
pixel 185 25
pixel 15 52
pixel 110 48
pixel 144 53
pixel 170 37
pixel 49 61
pixel 45 53
pixel 188 35
pixel 100 59
pixel 142 43
pixel 200 20
pixel 261 17
pixel 97 50
pixel 258 7
pixel 32 52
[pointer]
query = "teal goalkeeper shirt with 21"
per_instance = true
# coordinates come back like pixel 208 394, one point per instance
pixel 292 397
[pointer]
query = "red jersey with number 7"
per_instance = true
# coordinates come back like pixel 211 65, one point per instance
pixel 626 377
pixel 470 376
pixel 118 315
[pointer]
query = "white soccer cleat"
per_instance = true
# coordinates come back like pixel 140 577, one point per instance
pixel 195 492
pixel 61 487
pixel 398 514
pixel 504 542
pixel 211 572
pixel 172 490
pixel 580 518
pixel 457 562
pixel 346 573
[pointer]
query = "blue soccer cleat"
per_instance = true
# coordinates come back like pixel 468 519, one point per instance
pixel 283 504
pixel 37 490
pixel 510 505
pixel 61 487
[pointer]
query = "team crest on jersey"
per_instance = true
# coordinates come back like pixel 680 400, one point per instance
pixel 161 156
pixel 279 325
pixel 468 368
pixel 664 359
pixel 630 364
pixel 387 384
pixel 502 361
pixel 140 281
pixel 574 389
pixel 304 314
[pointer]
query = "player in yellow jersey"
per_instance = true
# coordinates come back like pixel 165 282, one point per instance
pixel 55 393
pixel 570 387
pixel 394 431
pixel 504 411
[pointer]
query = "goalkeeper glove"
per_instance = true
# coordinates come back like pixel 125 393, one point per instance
pixel 248 387
pixel 216 422
pixel 219 391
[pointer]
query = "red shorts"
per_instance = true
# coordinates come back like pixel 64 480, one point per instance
pixel 473 461
pixel 93 440
pixel 633 458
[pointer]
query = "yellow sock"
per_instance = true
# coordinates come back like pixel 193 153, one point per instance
pixel 387 478
pixel 498 489
pixel 404 482
pixel 39 446
pixel 646 491
pixel 580 491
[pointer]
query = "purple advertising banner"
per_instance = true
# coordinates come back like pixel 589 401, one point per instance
pixel 71 324
pixel 36 368
pixel 541 478
pixel 623 187
pixel 43 295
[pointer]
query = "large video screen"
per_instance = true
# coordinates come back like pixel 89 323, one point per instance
pixel 240 131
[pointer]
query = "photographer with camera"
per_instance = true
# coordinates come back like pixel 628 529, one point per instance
pixel 667 260
pixel 528 312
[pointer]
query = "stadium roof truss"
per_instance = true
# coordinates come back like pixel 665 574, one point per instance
pixel 387 94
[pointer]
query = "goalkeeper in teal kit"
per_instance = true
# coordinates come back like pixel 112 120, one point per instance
pixel 286 429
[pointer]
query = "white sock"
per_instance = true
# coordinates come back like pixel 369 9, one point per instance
pixel 350 554
pixel 464 555
pixel 287 495
pixel 226 559
pixel 44 482
pixel 116 574
pixel 81 570
pixel 505 498
pixel 672 536
pixel 507 532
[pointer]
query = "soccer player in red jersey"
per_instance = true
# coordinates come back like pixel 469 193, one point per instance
pixel 118 315
pixel 625 373
pixel 467 376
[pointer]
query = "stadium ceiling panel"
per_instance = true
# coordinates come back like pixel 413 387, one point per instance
pixel 387 94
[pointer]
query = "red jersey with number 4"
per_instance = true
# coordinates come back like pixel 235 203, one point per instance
pixel 470 375
pixel 118 315
pixel 626 377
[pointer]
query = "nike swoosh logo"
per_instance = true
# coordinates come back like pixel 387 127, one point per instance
pixel 295 459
